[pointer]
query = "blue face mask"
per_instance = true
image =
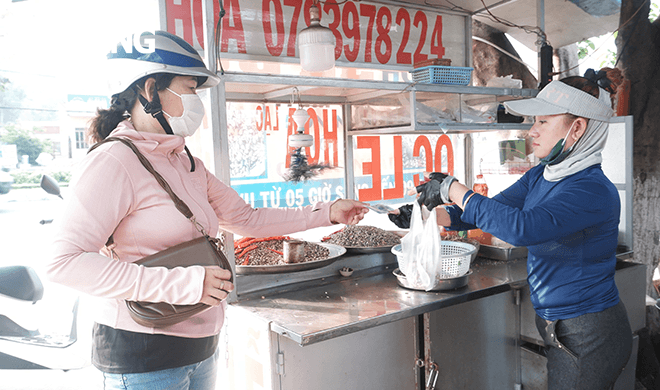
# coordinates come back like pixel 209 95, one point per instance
pixel 558 154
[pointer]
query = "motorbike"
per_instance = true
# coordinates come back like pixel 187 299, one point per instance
pixel 21 291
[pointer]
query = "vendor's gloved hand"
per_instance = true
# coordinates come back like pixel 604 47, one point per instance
pixel 402 218
pixel 435 191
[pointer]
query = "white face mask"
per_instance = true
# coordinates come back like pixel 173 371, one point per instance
pixel 193 113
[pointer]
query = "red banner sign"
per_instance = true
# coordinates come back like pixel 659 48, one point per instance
pixel 365 33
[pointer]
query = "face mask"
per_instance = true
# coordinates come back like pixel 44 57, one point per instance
pixel 193 113
pixel 557 154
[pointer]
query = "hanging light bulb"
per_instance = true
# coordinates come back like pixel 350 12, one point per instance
pixel 300 139
pixel 300 117
pixel 299 169
pixel 316 44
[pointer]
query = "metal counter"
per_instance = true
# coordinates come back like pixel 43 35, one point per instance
pixel 316 329
pixel 334 306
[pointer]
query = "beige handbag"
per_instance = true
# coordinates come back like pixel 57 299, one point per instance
pixel 204 250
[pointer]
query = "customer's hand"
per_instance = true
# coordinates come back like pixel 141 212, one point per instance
pixel 216 285
pixel 401 216
pixel 347 211
pixel 435 191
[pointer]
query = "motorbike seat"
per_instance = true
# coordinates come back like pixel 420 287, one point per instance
pixel 20 282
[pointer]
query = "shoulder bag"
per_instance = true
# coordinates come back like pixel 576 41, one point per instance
pixel 203 251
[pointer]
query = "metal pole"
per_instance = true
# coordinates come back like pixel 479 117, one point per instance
pixel 218 120
pixel 217 96
pixel 349 169
pixel 469 160
pixel 540 21
pixel 468 41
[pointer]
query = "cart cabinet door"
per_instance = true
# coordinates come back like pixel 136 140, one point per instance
pixel 377 358
pixel 473 344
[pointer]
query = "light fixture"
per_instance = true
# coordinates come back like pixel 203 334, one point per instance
pixel 300 139
pixel 299 168
pixel 316 44
pixel 300 117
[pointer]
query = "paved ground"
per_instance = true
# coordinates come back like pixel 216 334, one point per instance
pixel 85 379
pixel 88 378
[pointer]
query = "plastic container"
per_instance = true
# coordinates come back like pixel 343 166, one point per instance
pixel 452 75
pixel 456 258
pixel 480 186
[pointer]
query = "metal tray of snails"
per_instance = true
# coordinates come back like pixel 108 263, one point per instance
pixel 266 255
pixel 365 239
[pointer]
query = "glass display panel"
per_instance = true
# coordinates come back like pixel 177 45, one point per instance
pixel 387 111
pixel 387 168
pixel 502 157
pixel 438 108
pixel 260 156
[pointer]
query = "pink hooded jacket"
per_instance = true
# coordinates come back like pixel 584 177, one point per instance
pixel 113 194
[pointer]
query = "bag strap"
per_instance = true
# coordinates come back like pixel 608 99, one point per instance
pixel 180 204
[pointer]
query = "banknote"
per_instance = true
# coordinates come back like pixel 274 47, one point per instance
pixel 380 208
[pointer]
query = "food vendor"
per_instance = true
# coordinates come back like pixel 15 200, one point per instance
pixel 566 212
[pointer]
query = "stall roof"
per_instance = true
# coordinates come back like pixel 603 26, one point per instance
pixel 566 22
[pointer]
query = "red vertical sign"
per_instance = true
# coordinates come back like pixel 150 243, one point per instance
pixel 397 191
pixel 371 168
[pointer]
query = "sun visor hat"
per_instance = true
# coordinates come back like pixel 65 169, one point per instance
pixel 559 98
pixel 154 52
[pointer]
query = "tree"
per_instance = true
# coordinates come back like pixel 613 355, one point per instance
pixel 489 62
pixel 3 83
pixel 15 104
pixel 10 99
pixel 26 143
pixel 638 53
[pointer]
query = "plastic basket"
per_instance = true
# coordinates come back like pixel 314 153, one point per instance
pixel 455 258
pixel 436 74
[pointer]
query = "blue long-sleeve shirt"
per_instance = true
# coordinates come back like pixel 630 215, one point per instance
pixel 570 228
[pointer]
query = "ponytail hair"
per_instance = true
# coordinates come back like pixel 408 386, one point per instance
pixel 121 105
pixel 610 79
pixel 106 121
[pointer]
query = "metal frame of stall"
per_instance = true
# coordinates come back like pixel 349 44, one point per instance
pixel 397 340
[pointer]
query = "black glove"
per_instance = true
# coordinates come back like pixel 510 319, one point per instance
pixel 435 191
pixel 402 219
pixel 438 176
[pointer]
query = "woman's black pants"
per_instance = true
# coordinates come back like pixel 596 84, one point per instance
pixel 587 352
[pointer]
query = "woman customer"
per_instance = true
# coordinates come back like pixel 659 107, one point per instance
pixel 155 105
pixel 566 212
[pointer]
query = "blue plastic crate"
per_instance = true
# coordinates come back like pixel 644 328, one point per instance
pixel 436 74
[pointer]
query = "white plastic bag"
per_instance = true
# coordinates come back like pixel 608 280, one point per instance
pixel 421 261
pixel 504 82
